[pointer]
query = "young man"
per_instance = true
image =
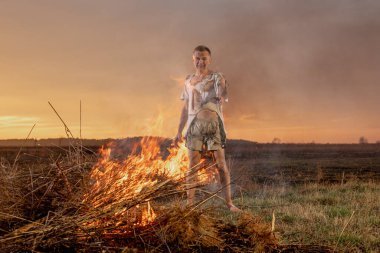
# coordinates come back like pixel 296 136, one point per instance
pixel 204 93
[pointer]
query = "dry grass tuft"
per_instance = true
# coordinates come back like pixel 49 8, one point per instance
pixel 184 227
pixel 10 193
pixel 259 233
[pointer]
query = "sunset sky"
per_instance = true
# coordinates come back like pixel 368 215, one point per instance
pixel 297 70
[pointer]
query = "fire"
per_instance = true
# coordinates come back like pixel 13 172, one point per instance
pixel 121 187
pixel 148 215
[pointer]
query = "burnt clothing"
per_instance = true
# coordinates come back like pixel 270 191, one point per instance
pixel 206 94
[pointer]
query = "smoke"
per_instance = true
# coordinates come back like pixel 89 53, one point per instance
pixel 289 64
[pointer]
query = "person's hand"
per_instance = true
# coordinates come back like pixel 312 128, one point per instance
pixel 177 139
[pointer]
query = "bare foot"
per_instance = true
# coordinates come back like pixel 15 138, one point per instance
pixel 233 208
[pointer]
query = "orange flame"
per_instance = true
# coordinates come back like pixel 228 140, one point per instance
pixel 117 182
pixel 148 215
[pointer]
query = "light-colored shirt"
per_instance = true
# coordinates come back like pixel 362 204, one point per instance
pixel 206 94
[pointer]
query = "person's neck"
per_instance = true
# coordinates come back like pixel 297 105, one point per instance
pixel 201 73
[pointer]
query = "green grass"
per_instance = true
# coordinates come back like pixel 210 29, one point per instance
pixel 338 212
pixel 343 216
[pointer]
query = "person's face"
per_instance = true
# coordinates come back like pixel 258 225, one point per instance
pixel 201 60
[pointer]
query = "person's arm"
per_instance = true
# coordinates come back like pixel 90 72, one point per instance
pixel 223 94
pixel 182 123
pixel 184 113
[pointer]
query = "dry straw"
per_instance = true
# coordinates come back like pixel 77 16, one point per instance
pixel 84 219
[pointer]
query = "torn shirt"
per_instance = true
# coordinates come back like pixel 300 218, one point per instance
pixel 206 94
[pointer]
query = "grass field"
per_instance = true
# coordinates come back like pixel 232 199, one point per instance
pixel 344 216
pixel 309 194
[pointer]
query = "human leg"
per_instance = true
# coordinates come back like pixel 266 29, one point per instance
pixel 225 178
pixel 191 176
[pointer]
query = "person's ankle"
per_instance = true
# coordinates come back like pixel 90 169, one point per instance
pixel 233 208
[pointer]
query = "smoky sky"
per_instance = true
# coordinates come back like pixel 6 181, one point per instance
pixel 289 64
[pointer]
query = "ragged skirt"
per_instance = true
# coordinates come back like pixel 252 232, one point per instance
pixel 204 135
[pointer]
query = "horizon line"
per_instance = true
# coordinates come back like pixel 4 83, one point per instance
pixel 142 136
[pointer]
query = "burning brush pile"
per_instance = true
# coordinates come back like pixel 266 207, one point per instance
pixel 118 204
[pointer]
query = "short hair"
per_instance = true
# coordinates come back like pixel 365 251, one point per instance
pixel 202 48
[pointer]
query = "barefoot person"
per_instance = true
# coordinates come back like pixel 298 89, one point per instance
pixel 204 92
